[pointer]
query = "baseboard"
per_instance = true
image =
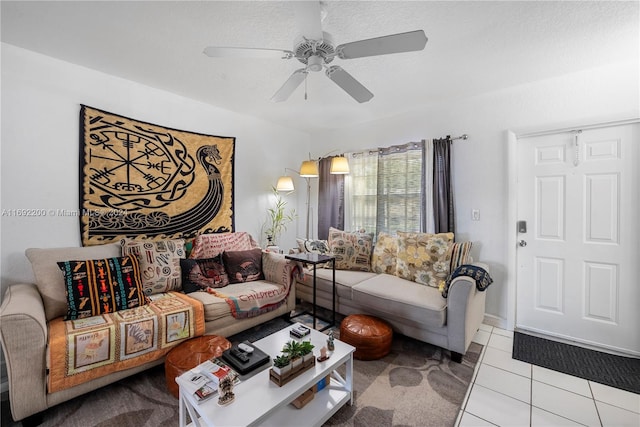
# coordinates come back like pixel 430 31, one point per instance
pixel 495 321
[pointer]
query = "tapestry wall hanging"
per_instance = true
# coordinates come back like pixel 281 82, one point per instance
pixel 143 180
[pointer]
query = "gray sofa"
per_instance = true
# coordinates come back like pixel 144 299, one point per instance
pixel 412 309
pixel 27 309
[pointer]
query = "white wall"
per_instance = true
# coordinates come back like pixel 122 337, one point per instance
pixel 41 100
pixel 480 163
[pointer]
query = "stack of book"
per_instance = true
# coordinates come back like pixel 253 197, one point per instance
pixel 203 380
pixel 299 331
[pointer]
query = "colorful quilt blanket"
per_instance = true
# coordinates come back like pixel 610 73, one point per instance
pixel 252 299
pixel 84 349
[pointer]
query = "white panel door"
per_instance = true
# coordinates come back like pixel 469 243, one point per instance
pixel 579 260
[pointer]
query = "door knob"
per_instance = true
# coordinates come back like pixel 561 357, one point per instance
pixel 523 243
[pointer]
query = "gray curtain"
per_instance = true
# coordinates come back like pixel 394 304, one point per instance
pixel 330 199
pixel 442 188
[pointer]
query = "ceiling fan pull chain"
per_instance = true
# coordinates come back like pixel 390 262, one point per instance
pixel 305 86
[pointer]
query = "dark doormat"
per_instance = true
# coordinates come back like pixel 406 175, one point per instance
pixel 609 369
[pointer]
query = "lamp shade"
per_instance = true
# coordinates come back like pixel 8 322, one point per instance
pixel 285 183
pixel 309 169
pixel 339 166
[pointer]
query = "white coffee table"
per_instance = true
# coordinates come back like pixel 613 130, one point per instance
pixel 259 401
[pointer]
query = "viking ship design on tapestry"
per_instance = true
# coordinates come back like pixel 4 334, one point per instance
pixel 144 180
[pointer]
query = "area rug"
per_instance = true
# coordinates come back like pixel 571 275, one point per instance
pixel 141 179
pixel 416 384
pixel 604 368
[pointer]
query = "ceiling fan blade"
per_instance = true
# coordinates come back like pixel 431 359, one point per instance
pixel 395 43
pixel 309 19
pixel 349 84
pixel 246 52
pixel 290 85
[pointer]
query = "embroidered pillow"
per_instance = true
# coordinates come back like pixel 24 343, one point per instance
pixel 159 263
pixel 385 254
pixel 351 249
pixel 243 266
pixel 200 274
pixel 422 257
pixel 100 286
pixel 211 245
pixel 314 246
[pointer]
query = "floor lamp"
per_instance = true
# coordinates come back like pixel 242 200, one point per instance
pixel 308 170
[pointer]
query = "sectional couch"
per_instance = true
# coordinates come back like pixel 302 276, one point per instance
pixel 28 310
pixel 374 286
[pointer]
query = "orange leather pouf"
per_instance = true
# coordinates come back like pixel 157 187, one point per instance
pixel 369 335
pixel 190 354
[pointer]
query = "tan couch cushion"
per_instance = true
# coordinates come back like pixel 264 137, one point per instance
pixel 49 277
pixel 402 299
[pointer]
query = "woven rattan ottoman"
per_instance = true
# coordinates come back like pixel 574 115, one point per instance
pixel 369 335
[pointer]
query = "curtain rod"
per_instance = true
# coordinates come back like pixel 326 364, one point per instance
pixel 464 137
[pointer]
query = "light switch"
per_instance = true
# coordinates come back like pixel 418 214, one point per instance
pixel 475 214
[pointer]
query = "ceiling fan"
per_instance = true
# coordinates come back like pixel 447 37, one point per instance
pixel 316 50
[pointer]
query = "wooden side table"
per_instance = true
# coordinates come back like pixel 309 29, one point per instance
pixel 315 259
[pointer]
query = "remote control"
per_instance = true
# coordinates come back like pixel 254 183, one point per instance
pixel 246 348
pixel 239 355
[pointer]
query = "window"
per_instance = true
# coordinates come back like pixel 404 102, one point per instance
pixel 386 189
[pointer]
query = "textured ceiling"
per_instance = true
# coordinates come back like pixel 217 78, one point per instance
pixel 473 47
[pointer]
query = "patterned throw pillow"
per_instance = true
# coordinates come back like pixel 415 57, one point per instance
pixel 159 263
pixel 313 246
pixel 385 254
pixel 458 254
pixel 243 266
pixel 211 245
pixel 422 257
pixel 200 274
pixel 102 286
pixel 351 249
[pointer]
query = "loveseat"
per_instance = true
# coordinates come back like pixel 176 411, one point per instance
pixel 29 310
pixel 376 280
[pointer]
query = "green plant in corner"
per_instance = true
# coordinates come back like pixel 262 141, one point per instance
pixel 279 218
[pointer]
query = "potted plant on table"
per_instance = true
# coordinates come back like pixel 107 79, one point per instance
pixel 306 348
pixel 281 364
pixel 293 350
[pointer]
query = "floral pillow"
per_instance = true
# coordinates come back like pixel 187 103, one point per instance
pixel 351 249
pixel 159 263
pixel 200 274
pixel 100 286
pixel 385 254
pixel 422 257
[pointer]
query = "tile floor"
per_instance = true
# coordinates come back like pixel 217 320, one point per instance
pixel 508 392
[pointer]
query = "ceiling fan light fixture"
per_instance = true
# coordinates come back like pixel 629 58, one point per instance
pixel 315 63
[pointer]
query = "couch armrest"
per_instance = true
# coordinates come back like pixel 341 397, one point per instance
pixel 278 269
pixel 465 311
pixel 23 334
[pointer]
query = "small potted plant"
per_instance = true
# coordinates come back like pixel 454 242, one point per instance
pixel 281 364
pixel 292 349
pixel 306 348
